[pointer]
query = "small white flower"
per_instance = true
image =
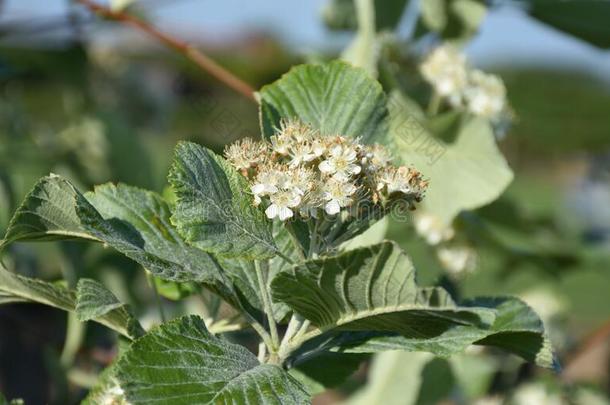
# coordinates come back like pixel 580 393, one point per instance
pixel 402 180
pixel 267 182
pixel 485 94
pixel 301 180
pixel 282 203
pixel 376 157
pixel 318 147
pixel 340 163
pixel 431 228
pixel 337 194
pixel 280 144
pixel 301 153
pixel 446 70
pixel 457 259
pixel 246 153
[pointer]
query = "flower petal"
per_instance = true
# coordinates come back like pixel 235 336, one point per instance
pixel 285 213
pixel 272 211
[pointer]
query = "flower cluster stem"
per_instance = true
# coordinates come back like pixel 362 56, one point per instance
pixel 262 285
pixel 434 104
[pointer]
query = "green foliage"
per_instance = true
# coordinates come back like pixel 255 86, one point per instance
pixel 49 212
pixel 370 289
pixel 371 294
pixel 395 379
pixel 342 14
pixel 213 211
pixel 453 19
pixel 182 363
pixel 340 298
pixel 94 300
pixel 335 98
pixel 24 289
pixel 465 174
pixel 133 221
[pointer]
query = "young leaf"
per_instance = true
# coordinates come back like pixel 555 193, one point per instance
pixel 180 362
pixel 27 289
pixel 371 289
pixel 93 300
pixel 464 175
pixel 335 98
pixel 214 211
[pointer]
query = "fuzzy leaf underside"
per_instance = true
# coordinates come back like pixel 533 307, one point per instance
pixel 214 210
pixel 24 289
pixel 180 362
pixel 335 98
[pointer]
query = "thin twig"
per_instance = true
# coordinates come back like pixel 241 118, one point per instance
pixel 592 340
pixel 190 52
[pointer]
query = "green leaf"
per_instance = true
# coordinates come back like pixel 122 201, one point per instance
pixel 373 235
pixel 133 221
pixel 338 367
pixel 31 290
pixel 180 362
pixel 371 289
pixel 584 19
pixel 214 211
pixel 341 14
pixel 175 291
pixel 335 98
pixel 94 300
pixel 516 329
pixel 243 274
pixel 394 379
pixel 465 174
pixel 106 390
pixel 453 19
pixel 136 222
pixel 47 213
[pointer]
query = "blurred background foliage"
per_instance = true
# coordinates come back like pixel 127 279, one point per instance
pixel 112 110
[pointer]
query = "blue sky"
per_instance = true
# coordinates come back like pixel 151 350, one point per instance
pixel 508 36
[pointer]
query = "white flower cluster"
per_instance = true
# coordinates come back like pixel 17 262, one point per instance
pixel 300 172
pixel 447 70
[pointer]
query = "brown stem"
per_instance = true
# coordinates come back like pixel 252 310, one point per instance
pixel 190 52
pixel 590 342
